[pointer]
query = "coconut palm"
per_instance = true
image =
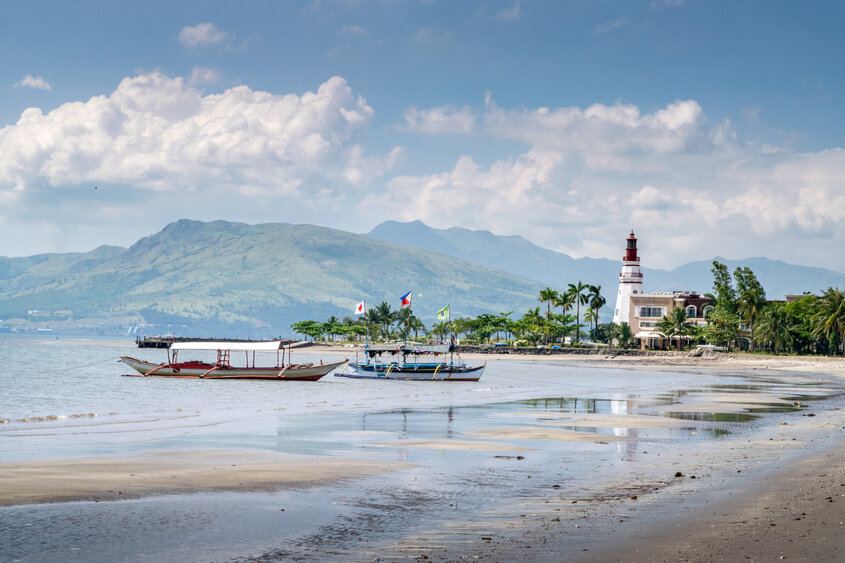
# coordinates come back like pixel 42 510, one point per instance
pixel 415 324
pixel 548 296
pixel 597 301
pixel 773 327
pixel 829 318
pixel 674 324
pixel 383 316
pixel 589 317
pixel 441 329
pixel 332 327
pixel 749 304
pixel 580 298
pixel 622 333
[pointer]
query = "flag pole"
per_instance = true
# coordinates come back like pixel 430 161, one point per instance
pixel 408 324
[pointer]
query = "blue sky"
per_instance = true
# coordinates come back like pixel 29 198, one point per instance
pixel 711 128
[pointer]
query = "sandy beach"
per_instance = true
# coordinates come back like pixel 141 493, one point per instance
pixel 775 494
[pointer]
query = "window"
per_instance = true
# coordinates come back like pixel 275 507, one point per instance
pixel 651 312
pixel 691 311
pixel 707 309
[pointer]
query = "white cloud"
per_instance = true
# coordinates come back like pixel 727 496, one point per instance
pixel 440 120
pixel 36 82
pixel 354 30
pixel 159 133
pixel 607 27
pixel 203 75
pixel 589 175
pixel 422 35
pixel 201 34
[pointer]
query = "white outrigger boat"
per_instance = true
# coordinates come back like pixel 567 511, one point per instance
pixel 433 367
pixel 223 369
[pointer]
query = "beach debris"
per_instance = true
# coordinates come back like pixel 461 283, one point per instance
pixel 634 497
pixel 679 474
pixel 783 422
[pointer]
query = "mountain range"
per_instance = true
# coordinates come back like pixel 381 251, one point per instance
pixel 232 279
pixel 222 278
pixel 520 257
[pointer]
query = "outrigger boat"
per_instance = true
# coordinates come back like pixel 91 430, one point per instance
pixel 397 365
pixel 223 369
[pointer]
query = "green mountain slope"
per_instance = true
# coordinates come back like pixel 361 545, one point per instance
pixel 222 277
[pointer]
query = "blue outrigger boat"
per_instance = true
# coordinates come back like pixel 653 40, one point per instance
pixel 412 363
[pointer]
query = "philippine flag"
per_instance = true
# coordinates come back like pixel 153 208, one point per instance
pixel 361 308
pixel 406 300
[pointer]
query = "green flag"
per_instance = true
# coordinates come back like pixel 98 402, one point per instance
pixel 443 313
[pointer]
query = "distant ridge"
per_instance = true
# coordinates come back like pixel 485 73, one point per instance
pixel 220 278
pixel 520 257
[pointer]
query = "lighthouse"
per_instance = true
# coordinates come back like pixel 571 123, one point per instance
pixel 630 282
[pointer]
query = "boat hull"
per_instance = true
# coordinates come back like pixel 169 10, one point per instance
pixel 203 370
pixel 414 372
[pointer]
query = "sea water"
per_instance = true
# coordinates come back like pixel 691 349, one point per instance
pixel 67 397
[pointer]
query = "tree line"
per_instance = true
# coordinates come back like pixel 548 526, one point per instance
pixel 742 318
pixel 533 327
pixel 739 318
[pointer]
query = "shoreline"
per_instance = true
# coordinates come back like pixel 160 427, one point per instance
pixel 822 365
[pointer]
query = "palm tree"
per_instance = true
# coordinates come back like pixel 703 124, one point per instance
pixel 548 296
pixel 597 301
pixel 829 318
pixel 674 324
pixel 533 321
pixel 580 298
pixel 441 329
pixel 332 327
pixel 589 317
pixel 383 316
pixel 749 304
pixel 622 333
pixel 773 327
pixel 415 324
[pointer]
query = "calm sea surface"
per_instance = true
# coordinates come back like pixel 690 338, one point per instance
pixel 63 397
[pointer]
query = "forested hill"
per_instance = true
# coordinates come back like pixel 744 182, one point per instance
pixel 222 277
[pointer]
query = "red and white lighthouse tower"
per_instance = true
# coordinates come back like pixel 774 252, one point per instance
pixel 630 282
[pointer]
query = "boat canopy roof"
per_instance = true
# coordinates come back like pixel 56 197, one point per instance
pixel 270 346
pixel 409 349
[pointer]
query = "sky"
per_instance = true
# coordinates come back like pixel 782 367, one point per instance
pixel 710 128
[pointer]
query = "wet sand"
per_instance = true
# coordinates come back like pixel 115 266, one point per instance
pixel 172 472
pixel 796 513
